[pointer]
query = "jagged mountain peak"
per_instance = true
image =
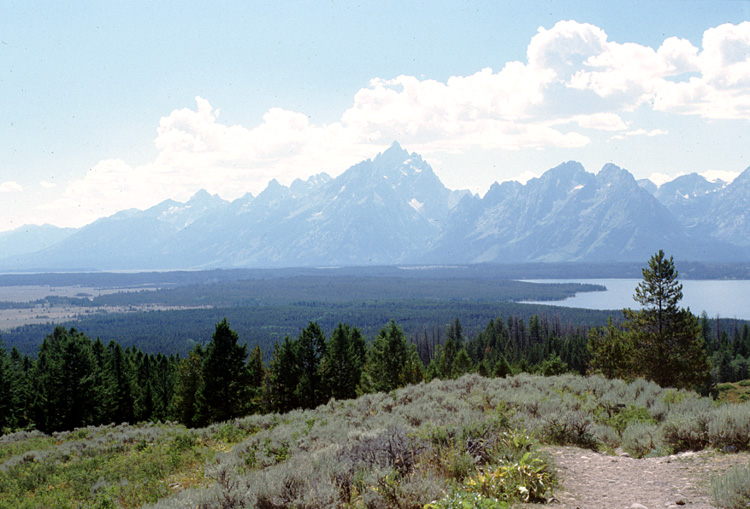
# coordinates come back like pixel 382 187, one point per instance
pixel 394 209
pixel 398 160
pixel 301 187
pixel 203 196
pixel 686 187
pixel 393 154
pixel 613 174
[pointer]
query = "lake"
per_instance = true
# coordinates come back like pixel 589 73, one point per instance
pixel 727 298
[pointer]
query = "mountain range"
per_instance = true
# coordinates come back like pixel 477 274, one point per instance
pixel 393 209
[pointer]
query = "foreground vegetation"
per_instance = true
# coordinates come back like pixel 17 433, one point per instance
pixel 470 442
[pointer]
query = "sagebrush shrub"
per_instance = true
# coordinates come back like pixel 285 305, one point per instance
pixel 640 438
pixel 730 426
pixel 731 490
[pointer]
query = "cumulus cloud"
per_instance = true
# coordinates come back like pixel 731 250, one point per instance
pixel 10 186
pixel 197 152
pixel 726 176
pixel 575 85
pixel 46 184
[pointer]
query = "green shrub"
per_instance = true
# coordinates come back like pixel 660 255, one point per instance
pixel 572 428
pixel 607 436
pixel 527 480
pixel 620 421
pixel 686 432
pixel 640 439
pixel 461 499
pixel 731 490
pixel 730 426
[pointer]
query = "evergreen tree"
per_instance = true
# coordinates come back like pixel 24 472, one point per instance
pixel 188 382
pixel 256 374
pixel 20 376
pixel 344 362
pixel 224 390
pixel 143 404
pixel 502 368
pixel 611 352
pixel 162 377
pixel 7 405
pixel 119 382
pixel 456 332
pixel 667 342
pixel 282 378
pixel 461 364
pixel 311 348
pixel 391 361
pixel 99 352
pixel 63 382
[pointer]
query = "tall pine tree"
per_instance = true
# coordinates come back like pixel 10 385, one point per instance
pixel 224 390
pixel 344 362
pixel 666 339
pixel 311 348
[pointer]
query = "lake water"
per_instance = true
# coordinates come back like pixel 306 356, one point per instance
pixel 728 299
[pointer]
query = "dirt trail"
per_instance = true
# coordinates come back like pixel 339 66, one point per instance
pixel 589 480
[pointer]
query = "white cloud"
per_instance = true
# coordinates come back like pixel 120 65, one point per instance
pixel 601 121
pixel 726 176
pixel 198 152
pixel 662 178
pixel 46 184
pixel 575 84
pixel 722 87
pixel 10 186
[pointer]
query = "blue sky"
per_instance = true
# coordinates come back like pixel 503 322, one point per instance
pixel 110 105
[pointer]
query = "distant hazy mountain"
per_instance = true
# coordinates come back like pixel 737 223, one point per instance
pixel 565 215
pixel 710 210
pixel 30 238
pixel 393 209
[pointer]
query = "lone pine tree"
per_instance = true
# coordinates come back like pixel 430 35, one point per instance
pixel 667 343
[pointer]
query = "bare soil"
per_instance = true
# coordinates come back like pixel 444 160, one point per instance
pixel 590 480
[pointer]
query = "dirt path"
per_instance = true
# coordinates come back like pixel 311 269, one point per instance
pixel 590 480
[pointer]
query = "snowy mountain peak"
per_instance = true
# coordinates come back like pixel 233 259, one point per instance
pixel 393 209
pixel 394 156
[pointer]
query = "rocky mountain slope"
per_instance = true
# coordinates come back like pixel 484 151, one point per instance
pixel 393 209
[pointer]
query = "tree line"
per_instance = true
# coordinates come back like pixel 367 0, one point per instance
pixel 76 381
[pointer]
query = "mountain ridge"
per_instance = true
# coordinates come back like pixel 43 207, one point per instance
pixel 393 209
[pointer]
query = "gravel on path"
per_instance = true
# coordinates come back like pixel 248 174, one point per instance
pixel 591 480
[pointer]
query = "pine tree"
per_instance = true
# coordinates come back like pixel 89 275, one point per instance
pixel 502 368
pixel 7 405
pixel 344 362
pixel 224 390
pixel 311 348
pixel 119 401
pixel 667 343
pixel 188 382
pixel 63 382
pixel 611 352
pixel 391 361
pixel 143 404
pixel 461 364
pixel 282 378
pixel 256 373
pixel 445 359
pixel 20 375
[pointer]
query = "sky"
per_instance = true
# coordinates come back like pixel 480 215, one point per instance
pixel 109 105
